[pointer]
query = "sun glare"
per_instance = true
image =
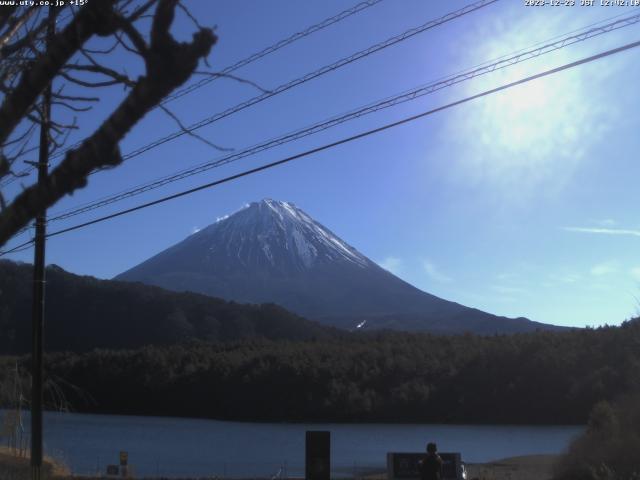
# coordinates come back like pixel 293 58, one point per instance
pixel 525 117
pixel 530 133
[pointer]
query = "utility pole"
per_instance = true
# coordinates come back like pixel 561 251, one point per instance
pixel 37 319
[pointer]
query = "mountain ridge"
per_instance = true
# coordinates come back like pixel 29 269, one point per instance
pixel 272 251
pixel 84 313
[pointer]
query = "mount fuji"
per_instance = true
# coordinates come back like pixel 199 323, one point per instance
pixel 273 252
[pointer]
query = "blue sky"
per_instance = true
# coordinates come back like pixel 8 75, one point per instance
pixel 523 203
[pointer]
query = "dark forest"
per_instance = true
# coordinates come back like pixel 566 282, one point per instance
pixel 536 378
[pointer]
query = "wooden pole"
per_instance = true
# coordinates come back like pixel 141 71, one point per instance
pixel 37 319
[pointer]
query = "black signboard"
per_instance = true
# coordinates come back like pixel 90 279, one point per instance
pixel 407 465
pixel 318 451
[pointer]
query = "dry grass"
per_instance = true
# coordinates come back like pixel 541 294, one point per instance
pixel 530 467
pixel 13 467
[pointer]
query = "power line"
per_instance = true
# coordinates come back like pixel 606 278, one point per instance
pixel 273 48
pixel 313 75
pixel 410 95
pixel 20 248
pixel 327 22
pixel 291 84
pixel 341 141
pixel 308 77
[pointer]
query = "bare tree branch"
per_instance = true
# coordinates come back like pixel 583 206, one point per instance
pixel 88 84
pixel 191 133
pixel 189 15
pixel 105 51
pixel 138 41
pixel 168 65
pixel 234 77
pixel 19 138
pixel 23 148
pixel 140 11
pixel 72 98
pixel 95 18
pixel 6 14
pixel 71 107
pixel 116 76
pixel 7 36
pixel 4 166
pixel 54 140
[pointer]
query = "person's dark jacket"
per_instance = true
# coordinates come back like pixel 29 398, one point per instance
pixel 431 467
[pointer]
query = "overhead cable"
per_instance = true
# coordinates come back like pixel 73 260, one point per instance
pixel 342 141
pixel 240 63
pixel 503 62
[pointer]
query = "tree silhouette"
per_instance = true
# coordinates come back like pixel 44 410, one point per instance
pixel 29 64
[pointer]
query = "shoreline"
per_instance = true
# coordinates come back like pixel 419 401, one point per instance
pixel 305 422
pixel 524 467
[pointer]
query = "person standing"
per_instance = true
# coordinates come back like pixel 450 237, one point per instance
pixel 431 465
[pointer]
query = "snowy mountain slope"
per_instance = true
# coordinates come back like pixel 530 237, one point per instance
pixel 271 251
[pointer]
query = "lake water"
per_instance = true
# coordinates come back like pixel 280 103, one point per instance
pixel 171 447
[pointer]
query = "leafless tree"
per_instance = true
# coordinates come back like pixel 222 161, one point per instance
pixel 69 61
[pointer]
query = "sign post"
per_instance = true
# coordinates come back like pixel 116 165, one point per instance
pixel 318 455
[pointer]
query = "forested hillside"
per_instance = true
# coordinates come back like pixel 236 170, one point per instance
pixel 83 313
pixel 144 350
pixel 544 377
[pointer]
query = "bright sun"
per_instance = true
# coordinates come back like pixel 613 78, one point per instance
pixel 531 133
pixel 528 117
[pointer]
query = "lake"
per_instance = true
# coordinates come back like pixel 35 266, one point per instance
pixel 168 446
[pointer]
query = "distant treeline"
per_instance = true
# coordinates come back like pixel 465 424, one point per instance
pixel 535 378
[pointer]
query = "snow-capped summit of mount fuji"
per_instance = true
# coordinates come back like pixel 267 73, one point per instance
pixel 273 252
pixel 272 232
